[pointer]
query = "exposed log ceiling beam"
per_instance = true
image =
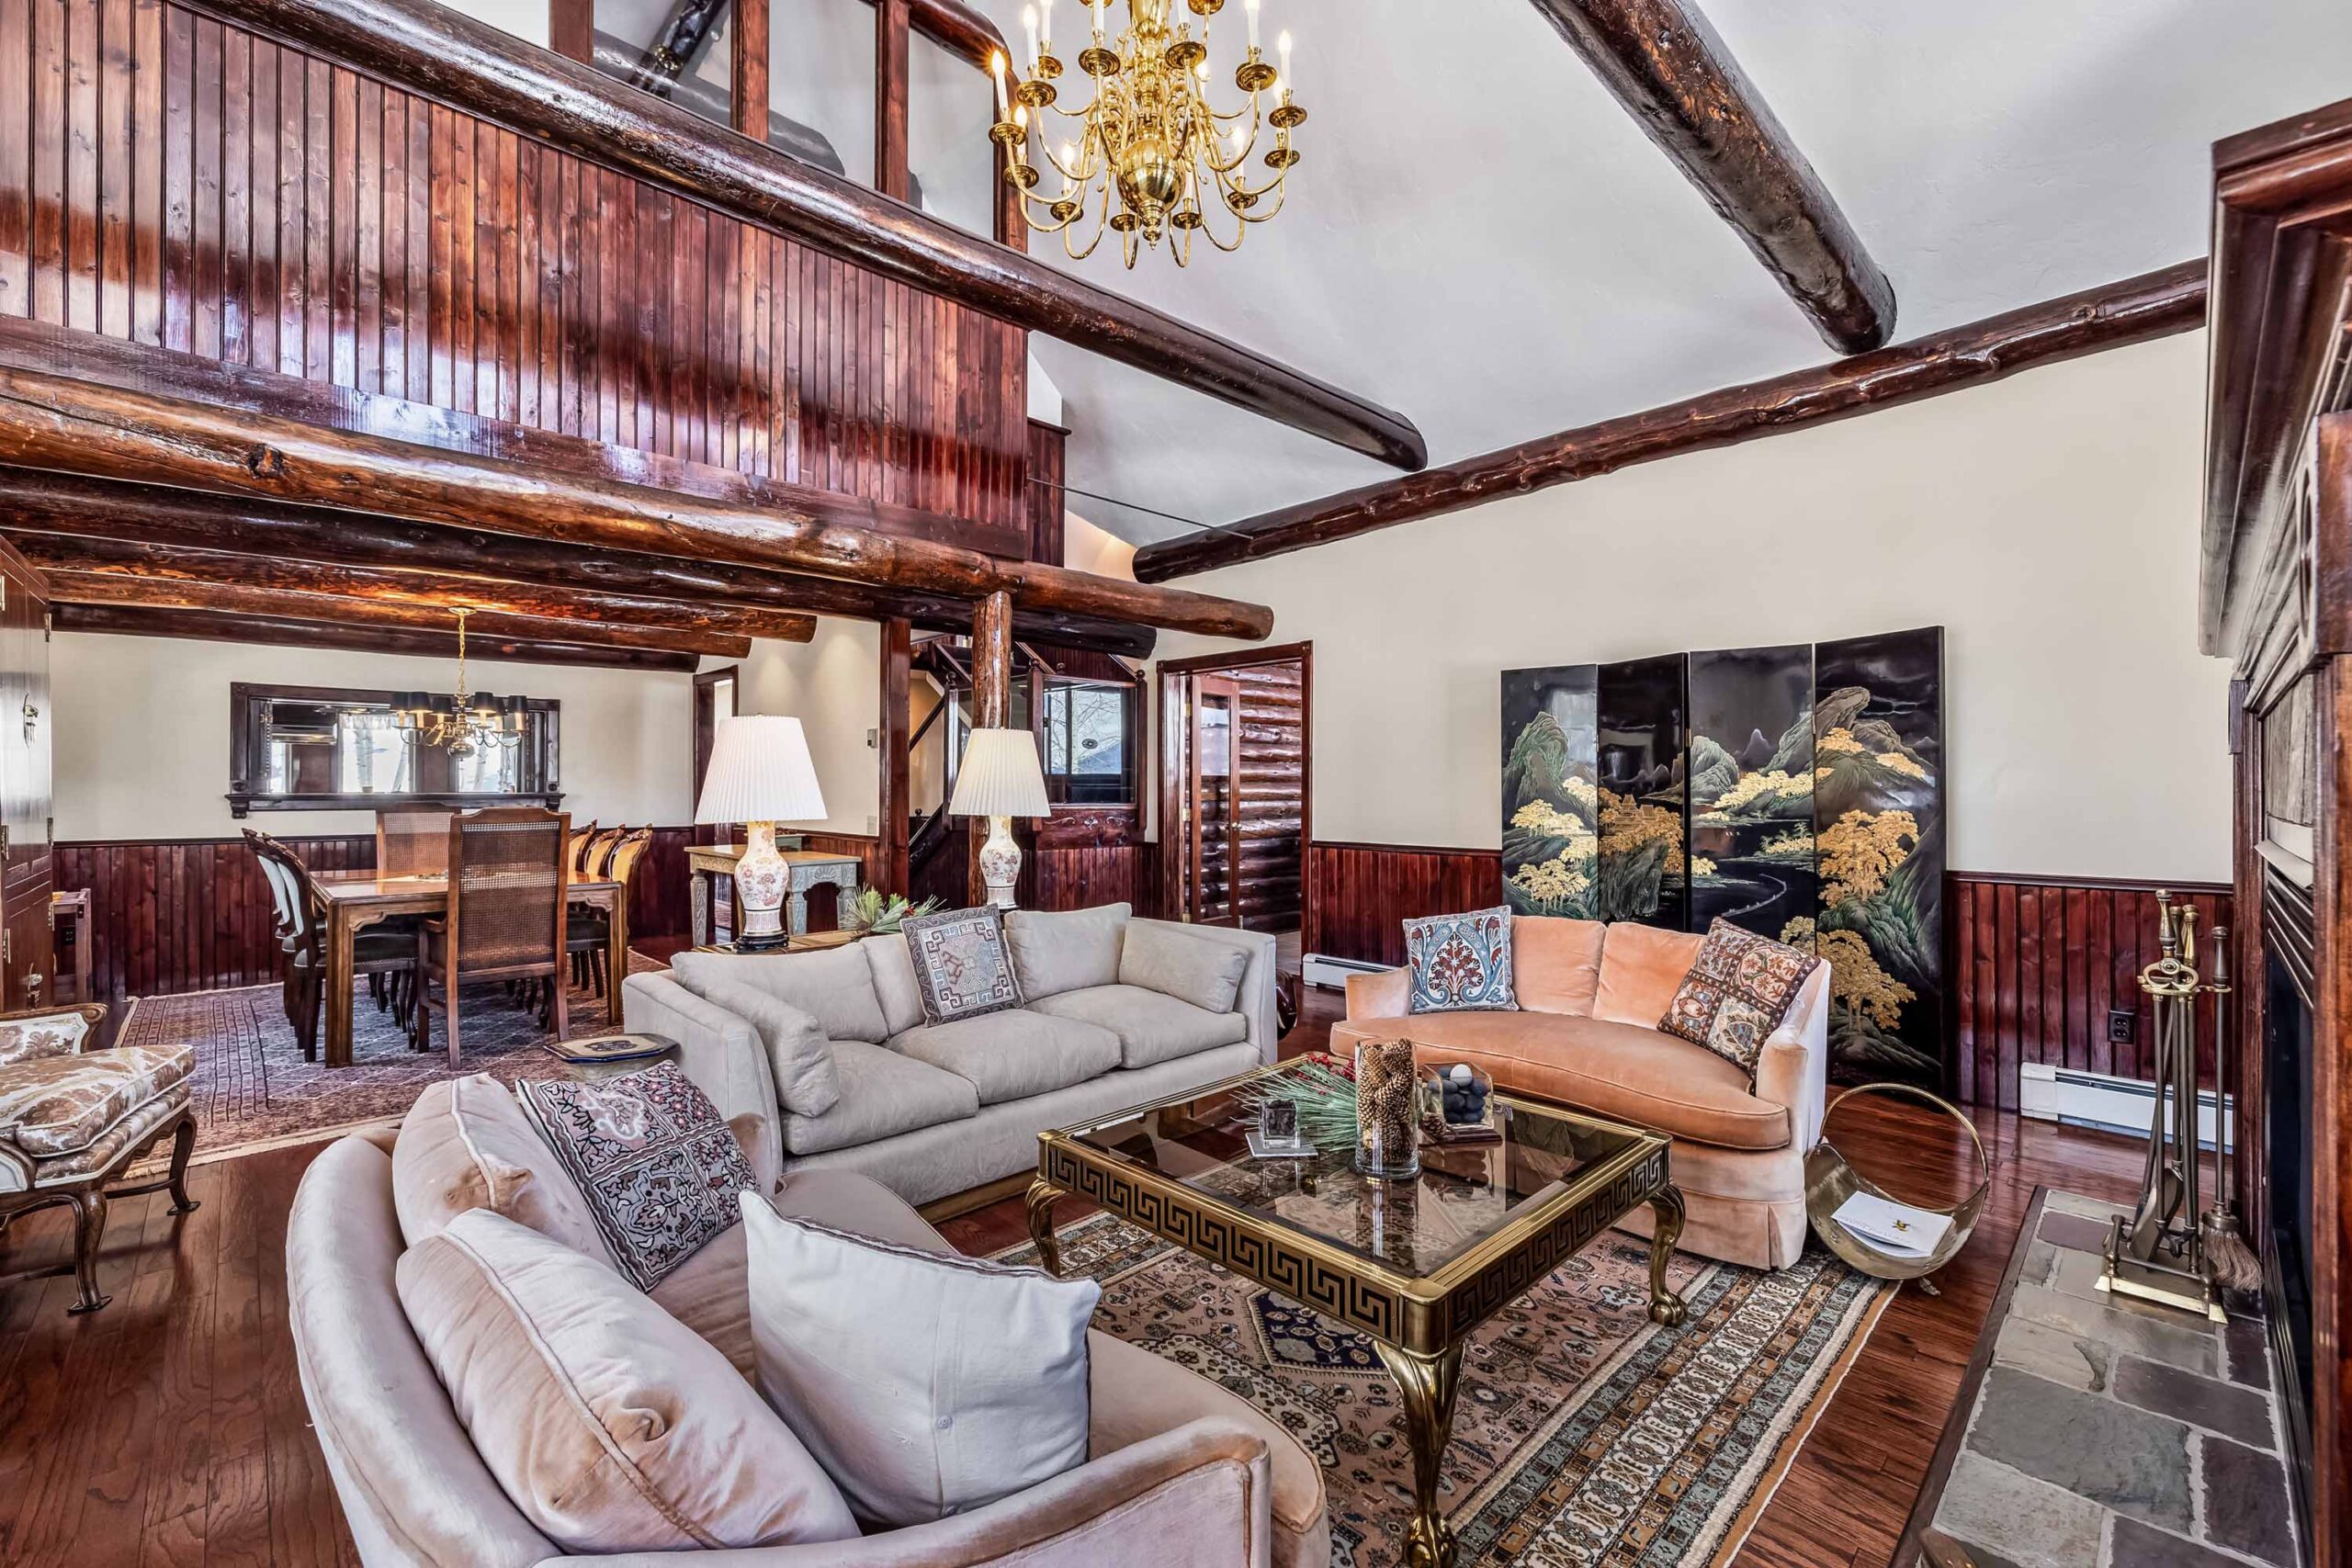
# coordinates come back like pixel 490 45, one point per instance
pixel 126 620
pixel 95 588
pixel 428 48
pixel 56 422
pixel 1663 62
pixel 76 507
pixel 2153 305
pixel 442 591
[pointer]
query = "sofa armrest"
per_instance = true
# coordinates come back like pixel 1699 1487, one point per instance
pixel 1793 1072
pixel 1200 1493
pixel 1255 1001
pixel 30 1034
pixel 1386 994
pixel 722 1053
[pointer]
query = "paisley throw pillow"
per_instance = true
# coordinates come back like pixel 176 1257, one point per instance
pixel 1739 991
pixel 1461 962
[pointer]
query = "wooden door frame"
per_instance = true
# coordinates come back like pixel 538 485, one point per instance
pixel 1167 739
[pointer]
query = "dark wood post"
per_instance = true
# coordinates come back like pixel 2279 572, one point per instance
pixel 895 807
pixel 991 706
pixel 571 28
pixel 748 77
pixel 890 52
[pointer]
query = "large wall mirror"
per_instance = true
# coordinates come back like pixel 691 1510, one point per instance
pixel 337 749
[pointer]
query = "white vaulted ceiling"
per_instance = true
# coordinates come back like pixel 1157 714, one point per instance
pixel 1481 238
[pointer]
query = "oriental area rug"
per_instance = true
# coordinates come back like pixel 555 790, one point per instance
pixel 1584 1435
pixel 254 1090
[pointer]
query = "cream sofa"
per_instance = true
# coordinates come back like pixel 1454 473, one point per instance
pixel 1179 1471
pixel 1591 997
pixel 933 1111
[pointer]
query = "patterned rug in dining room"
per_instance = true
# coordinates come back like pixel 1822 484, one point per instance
pixel 1583 1435
pixel 254 1090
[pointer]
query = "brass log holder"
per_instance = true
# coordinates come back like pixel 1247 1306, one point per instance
pixel 2157 1252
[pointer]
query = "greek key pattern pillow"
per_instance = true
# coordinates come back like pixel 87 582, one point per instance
pixel 1739 991
pixel 656 1161
pixel 1461 962
pixel 962 966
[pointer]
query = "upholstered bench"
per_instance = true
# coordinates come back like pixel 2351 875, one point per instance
pixel 73 1119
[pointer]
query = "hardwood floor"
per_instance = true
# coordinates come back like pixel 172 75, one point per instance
pixel 169 1429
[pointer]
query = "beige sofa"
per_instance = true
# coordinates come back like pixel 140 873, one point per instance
pixel 1591 997
pixel 931 1111
pixel 1180 1472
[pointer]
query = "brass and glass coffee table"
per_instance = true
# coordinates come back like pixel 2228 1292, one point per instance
pixel 1413 1265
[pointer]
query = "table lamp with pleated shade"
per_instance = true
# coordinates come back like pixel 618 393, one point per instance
pixel 760 774
pixel 1000 779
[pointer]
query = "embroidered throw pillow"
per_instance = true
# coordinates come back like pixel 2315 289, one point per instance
pixel 1739 991
pixel 658 1163
pixel 1461 962
pixel 962 966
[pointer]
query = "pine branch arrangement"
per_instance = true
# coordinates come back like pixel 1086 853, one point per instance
pixel 1324 1089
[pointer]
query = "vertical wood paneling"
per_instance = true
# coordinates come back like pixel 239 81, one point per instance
pixel 1362 894
pixel 2035 968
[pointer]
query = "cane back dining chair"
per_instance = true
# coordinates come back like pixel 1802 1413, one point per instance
pixel 588 932
pixel 508 874
pixel 386 953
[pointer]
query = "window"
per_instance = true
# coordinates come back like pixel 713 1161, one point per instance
pixel 951 163
pixel 684 53
pixel 821 83
pixel 1090 750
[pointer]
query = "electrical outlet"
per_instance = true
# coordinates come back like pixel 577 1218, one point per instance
pixel 2122 1026
pixel 873 824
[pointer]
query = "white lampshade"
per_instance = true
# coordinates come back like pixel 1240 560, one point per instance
pixel 1001 777
pixel 760 772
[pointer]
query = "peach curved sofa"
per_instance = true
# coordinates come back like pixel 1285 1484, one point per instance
pixel 1590 996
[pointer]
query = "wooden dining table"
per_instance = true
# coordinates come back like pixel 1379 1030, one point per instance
pixel 349 902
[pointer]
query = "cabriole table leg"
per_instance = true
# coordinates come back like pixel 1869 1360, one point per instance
pixel 1428 1383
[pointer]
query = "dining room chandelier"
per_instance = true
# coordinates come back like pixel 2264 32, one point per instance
pixel 1150 156
pixel 460 724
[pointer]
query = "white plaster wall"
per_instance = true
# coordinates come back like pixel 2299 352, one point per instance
pixel 834 687
pixel 527 20
pixel 2048 521
pixel 142 744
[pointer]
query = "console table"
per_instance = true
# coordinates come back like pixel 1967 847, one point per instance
pixel 807 868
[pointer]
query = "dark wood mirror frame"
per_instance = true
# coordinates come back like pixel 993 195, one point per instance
pixel 248 715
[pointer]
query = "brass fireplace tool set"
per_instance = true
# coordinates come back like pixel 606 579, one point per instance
pixel 2166 1249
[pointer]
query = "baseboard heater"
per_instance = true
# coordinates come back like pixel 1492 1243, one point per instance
pixel 1331 973
pixel 2101 1100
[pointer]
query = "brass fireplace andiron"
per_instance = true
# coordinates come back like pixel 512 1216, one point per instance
pixel 2157 1252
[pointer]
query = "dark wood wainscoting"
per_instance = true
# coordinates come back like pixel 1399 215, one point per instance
pixel 1358 895
pixel 2034 965
pixel 191 185
pixel 173 915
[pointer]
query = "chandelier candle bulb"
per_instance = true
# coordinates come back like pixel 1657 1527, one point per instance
pixel 1250 6
pixel 1029 27
pixel 1282 52
pixel 1045 28
pixel 995 69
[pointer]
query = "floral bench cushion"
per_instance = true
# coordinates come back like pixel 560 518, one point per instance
pixel 59 1105
pixel 132 1129
pixel 55 1034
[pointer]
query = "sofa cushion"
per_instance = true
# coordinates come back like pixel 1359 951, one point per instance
pixel 1170 960
pixel 657 1166
pixel 1641 968
pixel 1065 950
pixel 800 1058
pixel 1555 963
pixel 894 980
pixel 834 986
pixel 1151 1027
pixel 1739 990
pixel 611 1425
pixel 1011 1055
pixel 926 1384
pixel 467 1145
pixel 883 1094
pixel 1617 1070
pixel 962 965
pixel 62 1104
pixel 1461 962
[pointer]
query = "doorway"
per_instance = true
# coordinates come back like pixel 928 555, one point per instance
pixel 1236 775
pixel 713 700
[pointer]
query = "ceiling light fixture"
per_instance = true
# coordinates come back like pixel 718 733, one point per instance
pixel 1149 146
pixel 459 723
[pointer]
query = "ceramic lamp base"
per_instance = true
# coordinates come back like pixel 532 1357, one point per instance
pixel 760 878
pixel 1000 863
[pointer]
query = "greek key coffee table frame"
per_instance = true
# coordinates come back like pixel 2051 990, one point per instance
pixel 1417 1323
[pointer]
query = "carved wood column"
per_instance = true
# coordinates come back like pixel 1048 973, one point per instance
pixel 991 708
pixel 897 804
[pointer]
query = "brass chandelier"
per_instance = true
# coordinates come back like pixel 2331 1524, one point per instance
pixel 1149 155
pixel 460 723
